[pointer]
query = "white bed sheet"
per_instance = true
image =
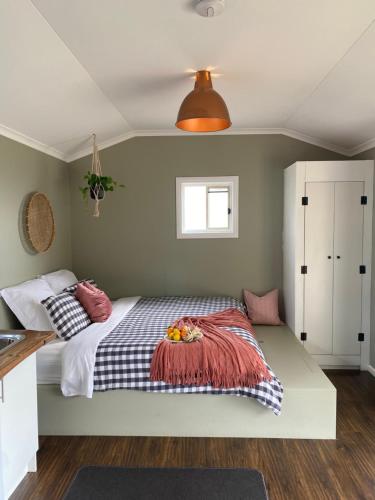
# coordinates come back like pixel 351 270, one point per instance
pixel 48 362
pixel 79 355
pixel 53 367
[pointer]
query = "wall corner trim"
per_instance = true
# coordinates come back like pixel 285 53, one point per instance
pixel 371 370
pixel 29 141
pixel 361 148
pixel 293 134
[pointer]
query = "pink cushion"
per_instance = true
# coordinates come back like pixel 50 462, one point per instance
pixel 263 310
pixel 95 302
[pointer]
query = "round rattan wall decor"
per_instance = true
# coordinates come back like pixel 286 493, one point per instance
pixel 40 225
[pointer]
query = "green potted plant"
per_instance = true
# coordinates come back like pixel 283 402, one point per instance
pixel 97 186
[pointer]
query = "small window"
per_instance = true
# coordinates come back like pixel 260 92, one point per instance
pixel 207 207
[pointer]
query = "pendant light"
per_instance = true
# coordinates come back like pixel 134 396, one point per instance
pixel 203 109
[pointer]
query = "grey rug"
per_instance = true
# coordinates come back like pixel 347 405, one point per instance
pixel 115 483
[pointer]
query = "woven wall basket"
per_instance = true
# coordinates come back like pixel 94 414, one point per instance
pixel 40 225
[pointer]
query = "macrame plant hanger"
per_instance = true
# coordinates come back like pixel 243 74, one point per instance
pixel 97 191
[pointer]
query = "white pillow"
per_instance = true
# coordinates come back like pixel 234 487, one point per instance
pixel 24 300
pixel 60 280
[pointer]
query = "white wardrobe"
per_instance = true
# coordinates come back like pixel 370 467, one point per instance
pixel 327 239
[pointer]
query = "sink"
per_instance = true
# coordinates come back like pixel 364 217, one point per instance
pixel 8 340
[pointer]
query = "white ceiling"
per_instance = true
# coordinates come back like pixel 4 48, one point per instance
pixel 120 68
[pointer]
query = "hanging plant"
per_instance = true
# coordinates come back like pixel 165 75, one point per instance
pixel 97 184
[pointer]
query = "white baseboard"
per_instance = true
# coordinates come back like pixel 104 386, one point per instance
pixel 325 360
pixel 371 369
pixel 340 367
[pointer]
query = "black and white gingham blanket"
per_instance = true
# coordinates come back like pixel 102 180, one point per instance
pixel 124 356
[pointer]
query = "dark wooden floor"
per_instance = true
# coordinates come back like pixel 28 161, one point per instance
pixel 293 469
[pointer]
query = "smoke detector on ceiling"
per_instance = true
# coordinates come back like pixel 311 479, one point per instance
pixel 210 8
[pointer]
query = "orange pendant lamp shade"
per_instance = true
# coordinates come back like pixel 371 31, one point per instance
pixel 203 109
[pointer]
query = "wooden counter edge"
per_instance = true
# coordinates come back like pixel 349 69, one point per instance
pixel 20 351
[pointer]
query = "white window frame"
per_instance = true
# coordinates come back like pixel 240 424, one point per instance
pixel 228 181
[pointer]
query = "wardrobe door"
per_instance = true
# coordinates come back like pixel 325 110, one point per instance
pixel 348 243
pixel 319 220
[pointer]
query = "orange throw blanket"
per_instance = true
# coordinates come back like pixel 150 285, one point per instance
pixel 221 358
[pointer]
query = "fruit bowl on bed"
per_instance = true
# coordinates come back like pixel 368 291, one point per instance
pixel 183 333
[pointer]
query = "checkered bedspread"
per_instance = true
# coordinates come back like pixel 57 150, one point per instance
pixel 123 357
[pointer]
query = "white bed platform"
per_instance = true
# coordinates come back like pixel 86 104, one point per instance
pixel 308 411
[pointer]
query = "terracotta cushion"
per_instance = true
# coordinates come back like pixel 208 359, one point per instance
pixel 263 310
pixel 95 301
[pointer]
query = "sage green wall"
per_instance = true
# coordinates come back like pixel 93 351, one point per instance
pixel 132 248
pixel 370 155
pixel 23 171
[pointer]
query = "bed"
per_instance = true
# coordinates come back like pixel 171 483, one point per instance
pixel 106 369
